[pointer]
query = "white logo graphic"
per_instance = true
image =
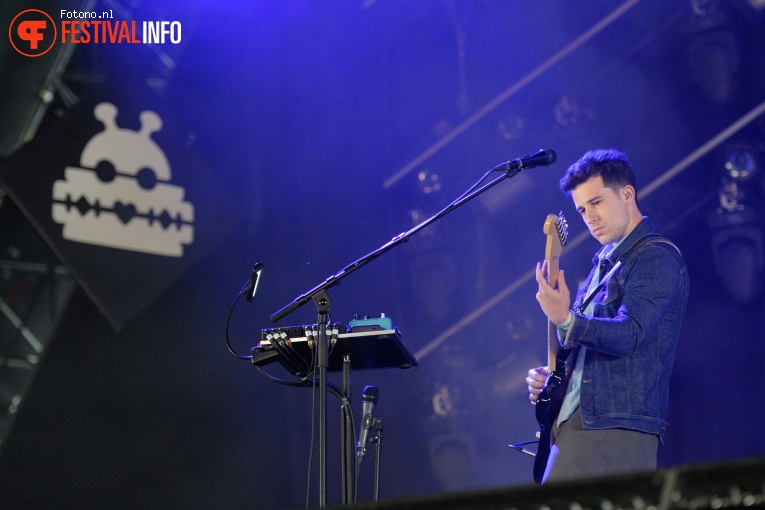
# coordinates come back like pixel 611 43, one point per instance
pixel 121 197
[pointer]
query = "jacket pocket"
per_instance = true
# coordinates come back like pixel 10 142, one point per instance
pixel 614 293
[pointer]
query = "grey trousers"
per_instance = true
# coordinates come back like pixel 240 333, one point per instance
pixel 577 452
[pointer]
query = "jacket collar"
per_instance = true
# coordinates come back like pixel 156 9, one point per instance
pixel 646 226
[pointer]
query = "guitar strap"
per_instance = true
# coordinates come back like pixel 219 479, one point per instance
pixel 637 244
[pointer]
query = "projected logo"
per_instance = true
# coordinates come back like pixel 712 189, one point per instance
pixel 33 32
pixel 121 197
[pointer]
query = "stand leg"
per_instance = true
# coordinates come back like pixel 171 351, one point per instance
pixel 378 450
pixel 347 433
pixel 321 299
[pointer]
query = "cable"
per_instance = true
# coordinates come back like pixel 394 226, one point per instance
pixel 302 384
pixel 474 186
pixel 228 321
pixel 311 446
pixel 306 383
pixel 285 349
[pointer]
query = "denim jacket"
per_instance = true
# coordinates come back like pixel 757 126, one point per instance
pixel 632 336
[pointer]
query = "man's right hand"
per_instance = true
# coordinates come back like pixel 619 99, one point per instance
pixel 536 381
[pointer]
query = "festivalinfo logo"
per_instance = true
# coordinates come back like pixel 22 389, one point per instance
pixel 34 32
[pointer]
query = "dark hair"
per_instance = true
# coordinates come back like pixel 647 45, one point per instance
pixel 610 164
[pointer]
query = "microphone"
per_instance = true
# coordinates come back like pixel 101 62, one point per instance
pixel 544 157
pixel 252 286
pixel 369 398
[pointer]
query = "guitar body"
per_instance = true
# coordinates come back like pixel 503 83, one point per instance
pixel 547 410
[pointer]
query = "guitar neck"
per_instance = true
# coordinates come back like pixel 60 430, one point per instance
pixel 552 329
pixel 552 256
pixel 552 345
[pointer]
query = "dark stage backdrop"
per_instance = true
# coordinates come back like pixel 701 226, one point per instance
pixel 307 134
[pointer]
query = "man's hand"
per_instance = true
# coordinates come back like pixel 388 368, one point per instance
pixel 555 303
pixel 536 381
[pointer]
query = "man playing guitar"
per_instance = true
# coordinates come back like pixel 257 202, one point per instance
pixel 619 337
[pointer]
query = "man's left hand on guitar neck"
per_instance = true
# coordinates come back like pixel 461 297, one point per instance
pixel 555 302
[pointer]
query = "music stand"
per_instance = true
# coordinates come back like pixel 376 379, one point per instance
pixel 366 350
pixel 356 350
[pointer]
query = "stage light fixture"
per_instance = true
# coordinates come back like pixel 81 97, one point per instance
pixel 714 50
pixel 742 163
pixel 738 241
pixel 428 181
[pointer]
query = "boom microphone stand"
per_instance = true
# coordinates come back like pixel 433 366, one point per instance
pixel 320 298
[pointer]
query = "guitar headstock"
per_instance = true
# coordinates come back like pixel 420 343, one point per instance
pixel 557 226
pixel 556 229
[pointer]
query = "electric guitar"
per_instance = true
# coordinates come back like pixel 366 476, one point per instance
pixel 550 399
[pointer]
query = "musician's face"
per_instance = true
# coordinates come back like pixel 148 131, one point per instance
pixel 603 209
